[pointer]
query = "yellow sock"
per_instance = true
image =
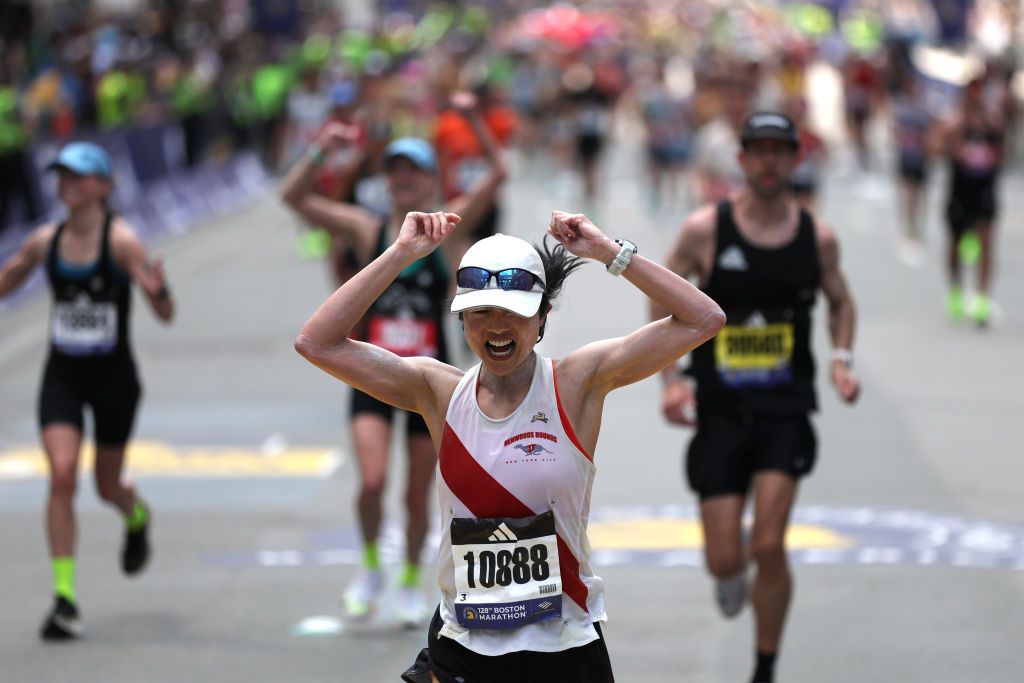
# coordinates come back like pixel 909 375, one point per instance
pixel 64 577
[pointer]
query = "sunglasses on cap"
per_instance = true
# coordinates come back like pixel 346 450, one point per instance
pixel 517 279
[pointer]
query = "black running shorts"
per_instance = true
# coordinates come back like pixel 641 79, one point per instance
pixel 364 403
pixel 728 450
pixel 453 663
pixel 969 202
pixel 108 385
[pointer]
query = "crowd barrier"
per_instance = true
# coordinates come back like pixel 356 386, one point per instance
pixel 154 189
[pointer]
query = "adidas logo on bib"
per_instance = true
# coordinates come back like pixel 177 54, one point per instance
pixel 502 535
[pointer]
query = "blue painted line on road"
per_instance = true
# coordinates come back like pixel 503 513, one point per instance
pixel 669 536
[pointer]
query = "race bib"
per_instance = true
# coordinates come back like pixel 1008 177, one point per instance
pixel 403 336
pixel 506 571
pixel 755 355
pixel 85 327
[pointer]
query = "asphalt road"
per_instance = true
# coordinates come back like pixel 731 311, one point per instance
pixel 908 543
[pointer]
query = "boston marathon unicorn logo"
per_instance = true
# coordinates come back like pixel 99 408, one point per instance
pixel 531 448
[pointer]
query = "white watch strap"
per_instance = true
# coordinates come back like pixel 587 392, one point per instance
pixel 623 258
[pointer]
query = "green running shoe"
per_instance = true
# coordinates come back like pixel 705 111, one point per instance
pixel 981 309
pixel 314 245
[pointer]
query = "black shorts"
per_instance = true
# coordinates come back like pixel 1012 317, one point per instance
pixel 108 385
pixel 588 147
pixel 913 169
pixel 364 403
pixel 453 663
pixel 727 450
pixel 970 202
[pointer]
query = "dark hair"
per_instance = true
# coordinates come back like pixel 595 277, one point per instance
pixel 558 265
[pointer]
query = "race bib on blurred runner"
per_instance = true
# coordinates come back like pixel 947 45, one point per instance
pixel 84 327
pixel 403 336
pixel 758 353
pixel 506 571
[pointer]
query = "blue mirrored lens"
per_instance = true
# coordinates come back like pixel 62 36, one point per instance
pixel 515 278
pixel 473 278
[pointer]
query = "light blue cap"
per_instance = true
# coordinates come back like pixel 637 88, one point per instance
pixel 416 150
pixel 83 158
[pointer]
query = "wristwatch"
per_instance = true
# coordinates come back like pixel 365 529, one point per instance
pixel 622 259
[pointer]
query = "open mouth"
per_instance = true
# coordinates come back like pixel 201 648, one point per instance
pixel 500 350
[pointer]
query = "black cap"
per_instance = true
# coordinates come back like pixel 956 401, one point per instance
pixel 769 125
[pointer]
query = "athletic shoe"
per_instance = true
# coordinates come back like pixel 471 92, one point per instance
pixel 135 551
pixel 955 305
pixel 980 309
pixel 361 596
pixel 411 607
pixel 63 622
pixel 731 594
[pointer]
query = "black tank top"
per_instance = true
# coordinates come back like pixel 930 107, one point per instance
pixel 91 304
pixel 407 319
pixel 761 361
pixel 977 160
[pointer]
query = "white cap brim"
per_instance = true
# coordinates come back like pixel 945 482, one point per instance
pixel 525 304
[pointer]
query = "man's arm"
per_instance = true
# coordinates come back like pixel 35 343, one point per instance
pixel 842 314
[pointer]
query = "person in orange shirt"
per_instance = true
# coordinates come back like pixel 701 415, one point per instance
pixel 461 155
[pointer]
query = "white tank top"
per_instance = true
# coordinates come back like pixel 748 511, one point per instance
pixel 499 484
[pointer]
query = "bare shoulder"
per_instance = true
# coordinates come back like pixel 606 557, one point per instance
pixel 701 223
pixel 442 377
pixel 828 242
pixel 38 241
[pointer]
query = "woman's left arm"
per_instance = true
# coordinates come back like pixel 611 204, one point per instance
pixel 612 363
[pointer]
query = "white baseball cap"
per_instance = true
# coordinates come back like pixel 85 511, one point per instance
pixel 496 253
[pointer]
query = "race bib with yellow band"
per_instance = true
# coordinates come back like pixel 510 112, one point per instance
pixel 758 355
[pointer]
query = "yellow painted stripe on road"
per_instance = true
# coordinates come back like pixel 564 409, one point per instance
pixel 157 459
pixel 675 534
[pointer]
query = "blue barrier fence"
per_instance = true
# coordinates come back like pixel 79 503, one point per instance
pixel 154 189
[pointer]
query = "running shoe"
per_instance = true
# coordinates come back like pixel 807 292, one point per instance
pixel 411 607
pixel 731 594
pixel 955 305
pixel 360 598
pixel 63 622
pixel 135 551
pixel 980 309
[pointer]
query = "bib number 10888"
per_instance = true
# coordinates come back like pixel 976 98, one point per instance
pixel 507 566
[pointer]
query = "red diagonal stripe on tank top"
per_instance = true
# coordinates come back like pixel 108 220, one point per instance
pixel 485 497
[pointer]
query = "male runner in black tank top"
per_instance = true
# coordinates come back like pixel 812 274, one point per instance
pixel 974 145
pixel 91 260
pixel 763 260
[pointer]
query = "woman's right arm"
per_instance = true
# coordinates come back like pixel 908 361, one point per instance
pixel 347 220
pixel 406 383
pixel 16 269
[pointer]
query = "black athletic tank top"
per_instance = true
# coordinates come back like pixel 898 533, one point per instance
pixel 407 319
pixel 91 304
pixel 761 361
pixel 977 160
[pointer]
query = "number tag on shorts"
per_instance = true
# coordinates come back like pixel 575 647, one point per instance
pixel 403 336
pixel 758 354
pixel 506 571
pixel 85 327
